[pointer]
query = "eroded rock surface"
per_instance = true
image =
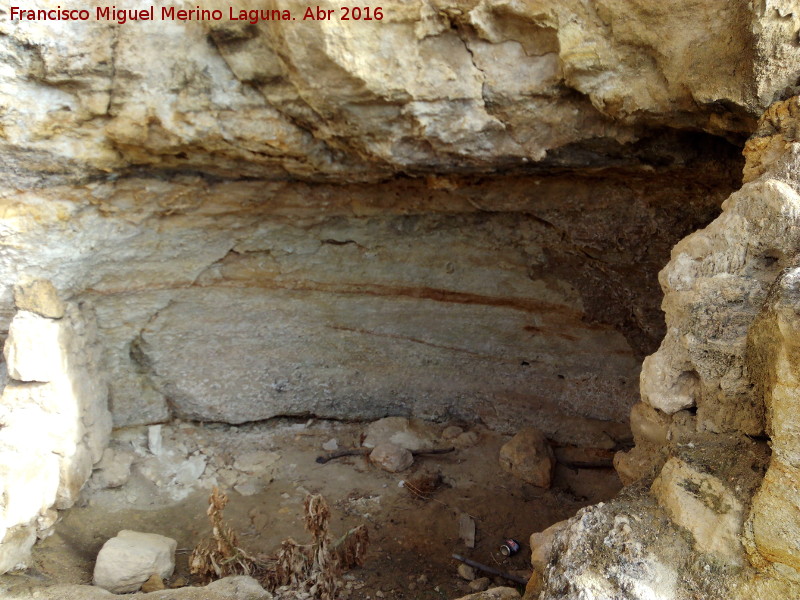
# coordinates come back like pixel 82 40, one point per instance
pixel 454 212
pixel 420 299
pixel 432 87
pixel 724 381
pixel 54 424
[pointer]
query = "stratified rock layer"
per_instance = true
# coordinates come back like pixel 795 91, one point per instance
pixel 515 300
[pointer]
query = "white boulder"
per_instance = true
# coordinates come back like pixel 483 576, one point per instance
pixel 126 561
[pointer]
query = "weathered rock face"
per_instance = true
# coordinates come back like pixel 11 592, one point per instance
pixel 448 85
pixel 166 155
pixel 54 423
pixel 240 301
pixel 714 286
pixel 773 361
pixel 725 373
pixel 456 211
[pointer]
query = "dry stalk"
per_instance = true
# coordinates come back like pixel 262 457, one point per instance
pixel 310 568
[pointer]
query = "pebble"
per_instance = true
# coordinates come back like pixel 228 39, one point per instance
pixel 190 470
pixel 153 584
pixel 466 440
pixel 391 457
pixel 331 445
pixel 250 487
pixel 452 432
pixel 466 572
pixel 479 585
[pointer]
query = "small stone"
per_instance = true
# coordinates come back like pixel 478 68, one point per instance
pixel 466 572
pixel 251 487
pixel 39 296
pixel 154 439
pixel 257 461
pixel 331 445
pixel 178 582
pixel 153 584
pixel 114 468
pixel 422 579
pixel 126 561
pixel 466 530
pixel 190 470
pixel 466 440
pixel 391 457
pixel 452 432
pixel 413 434
pixel 480 584
pixel 529 456
pixel 230 477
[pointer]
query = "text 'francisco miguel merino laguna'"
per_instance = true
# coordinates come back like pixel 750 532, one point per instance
pixel 170 13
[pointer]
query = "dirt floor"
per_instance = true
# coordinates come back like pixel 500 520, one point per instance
pixel 267 469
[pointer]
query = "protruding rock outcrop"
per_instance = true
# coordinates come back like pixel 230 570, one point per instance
pixel 54 418
pixel 431 87
pixel 724 378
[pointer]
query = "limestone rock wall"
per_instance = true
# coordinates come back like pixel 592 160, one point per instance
pixel 717 431
pixel 54 423
pixel 154 170
pixel 435 86
pixel 457 211
pixel 445 298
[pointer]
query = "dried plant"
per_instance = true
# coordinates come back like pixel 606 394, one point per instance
pixel 424 485
pixel 222 556
pixel 351 548
pixel 310 568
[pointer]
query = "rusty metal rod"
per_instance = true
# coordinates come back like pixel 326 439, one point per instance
pixel 491 570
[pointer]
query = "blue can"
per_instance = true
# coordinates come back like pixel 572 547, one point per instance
pixel 510 547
